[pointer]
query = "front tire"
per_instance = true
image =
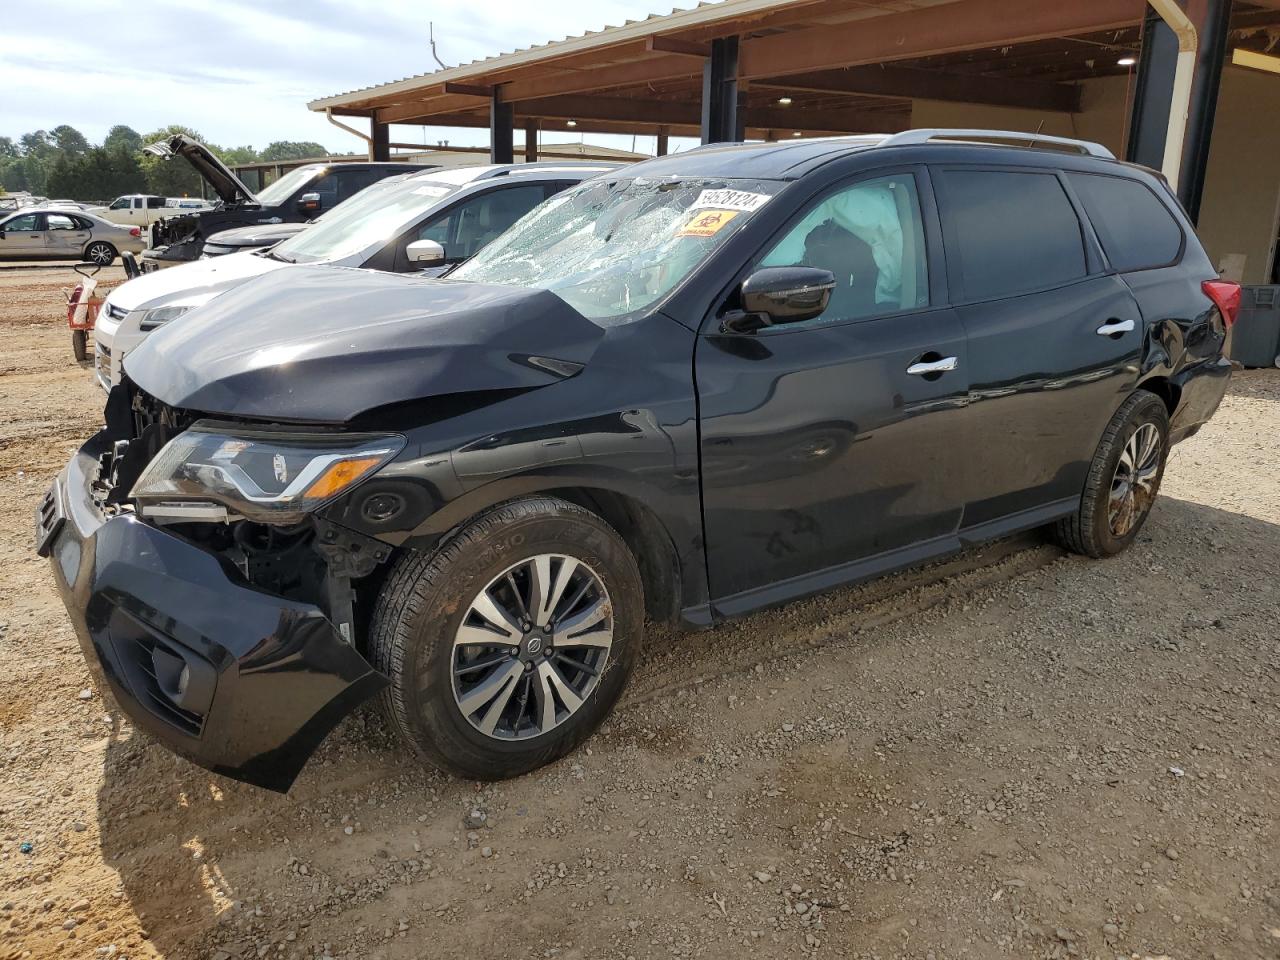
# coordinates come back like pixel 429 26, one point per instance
pixel 511 643
pixel 100 252
pixel 80 345
pixel 1123 480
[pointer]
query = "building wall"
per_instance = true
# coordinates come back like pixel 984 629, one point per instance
pixel 1242 188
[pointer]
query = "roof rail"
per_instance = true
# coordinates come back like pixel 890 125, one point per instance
pixel 1086 147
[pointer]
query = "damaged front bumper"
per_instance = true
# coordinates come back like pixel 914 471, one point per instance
pixel 242 682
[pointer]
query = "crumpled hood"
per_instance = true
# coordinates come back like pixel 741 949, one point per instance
pixel 320 343
pixel 215 173
pixel 192 280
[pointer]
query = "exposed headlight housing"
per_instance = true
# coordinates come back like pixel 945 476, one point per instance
pixel 161 315
pixel 269 476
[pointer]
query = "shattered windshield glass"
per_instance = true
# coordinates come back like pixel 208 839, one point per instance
pixel 612 247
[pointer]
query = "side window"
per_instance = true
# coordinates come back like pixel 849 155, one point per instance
pixel 155 202
pixel 1009 232
pixel 871 237
pixel 474 223
pixel 27 224
pixel 1137 230
pixel 59 222
pixel 351 182
pixel 139 202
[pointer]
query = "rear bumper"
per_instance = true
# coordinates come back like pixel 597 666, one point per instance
pixel 1201 388
pixel 266 678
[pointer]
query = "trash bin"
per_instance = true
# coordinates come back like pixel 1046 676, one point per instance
pixel 1255 338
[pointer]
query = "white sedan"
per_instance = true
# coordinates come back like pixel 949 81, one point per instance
pixel 53 233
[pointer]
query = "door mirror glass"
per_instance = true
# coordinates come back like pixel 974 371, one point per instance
pixel 425 253
pixel 309 203
pixel 775 295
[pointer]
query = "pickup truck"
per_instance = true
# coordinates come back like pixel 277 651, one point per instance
pixel 142 210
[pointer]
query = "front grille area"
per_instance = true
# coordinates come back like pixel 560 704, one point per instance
pixel 116 313
pixel 102 364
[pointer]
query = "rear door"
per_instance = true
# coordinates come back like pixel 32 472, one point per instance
pixel 23 236
pixel 829 448
pixel 1054 338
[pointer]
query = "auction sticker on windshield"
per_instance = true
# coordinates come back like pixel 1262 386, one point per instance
pixel 731 200
pixel 707 223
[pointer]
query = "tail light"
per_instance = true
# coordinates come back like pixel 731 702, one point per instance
pixel 135 231
pixel 1225 295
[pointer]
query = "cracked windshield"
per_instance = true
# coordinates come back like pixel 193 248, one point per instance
pixel 611 248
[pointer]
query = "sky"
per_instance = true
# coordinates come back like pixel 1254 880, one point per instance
pixel 241 73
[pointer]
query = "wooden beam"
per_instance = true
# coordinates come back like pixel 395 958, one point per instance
pixel 685 48
pixel 946 28
pixel 469 89
pixel 618 110
pixel 634 73
pixel 419 111
pixel 890 81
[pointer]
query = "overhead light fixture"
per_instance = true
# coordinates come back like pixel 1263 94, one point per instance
pixel 1126 61
pixel 797 134
pixel 572 123
pixel 784 101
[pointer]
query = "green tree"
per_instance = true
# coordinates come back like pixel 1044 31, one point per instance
pixel 69 141
pixel 232 156
pixel 123 138
pixel 172 176
pixel 293 150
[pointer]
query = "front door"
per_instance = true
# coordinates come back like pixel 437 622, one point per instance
pixel 1054 341
pixel 829 446
pixel 23 236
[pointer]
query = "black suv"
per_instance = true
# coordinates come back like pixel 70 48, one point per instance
pixel 300 195
pixel 682 391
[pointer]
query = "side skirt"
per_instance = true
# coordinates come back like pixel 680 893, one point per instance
pixel 847 574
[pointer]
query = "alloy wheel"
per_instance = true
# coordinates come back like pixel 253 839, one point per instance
pixel 100 253
pixel 531 647
pixel 1133 487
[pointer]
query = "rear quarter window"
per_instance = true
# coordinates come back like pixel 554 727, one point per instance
pixel 1009 232
pixel 1136 230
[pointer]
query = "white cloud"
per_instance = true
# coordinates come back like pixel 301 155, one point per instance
pixel 242 71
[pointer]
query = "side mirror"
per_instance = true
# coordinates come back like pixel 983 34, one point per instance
pixel 309 203
pixel 425 252
pixel 775 295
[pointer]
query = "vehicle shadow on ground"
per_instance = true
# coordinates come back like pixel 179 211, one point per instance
pixel 192 848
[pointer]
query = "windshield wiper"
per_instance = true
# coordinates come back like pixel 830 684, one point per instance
pixel 280 257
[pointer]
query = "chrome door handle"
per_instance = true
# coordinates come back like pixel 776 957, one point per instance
pixel 1113 327
pixel 934 366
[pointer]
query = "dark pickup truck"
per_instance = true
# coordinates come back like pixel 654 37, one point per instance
pixel 298 196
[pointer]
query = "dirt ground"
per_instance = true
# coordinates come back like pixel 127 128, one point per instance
pixel 1016 754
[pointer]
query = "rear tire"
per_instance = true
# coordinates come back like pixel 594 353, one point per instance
pixel 101 253
pixel 489 702
pixel 1123 480
pixel 80 345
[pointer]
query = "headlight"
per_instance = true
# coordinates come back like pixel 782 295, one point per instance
pixel 161 315
pixel 268 476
